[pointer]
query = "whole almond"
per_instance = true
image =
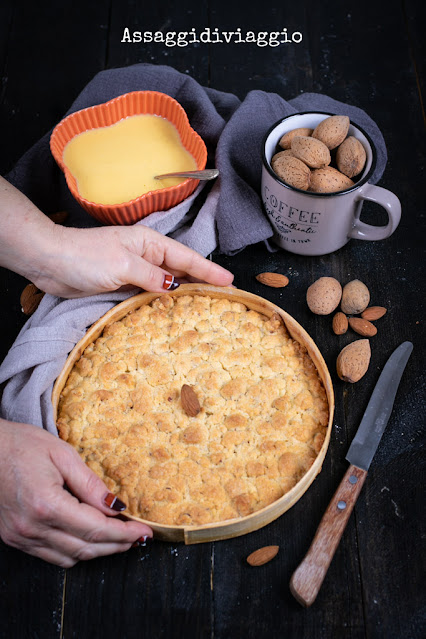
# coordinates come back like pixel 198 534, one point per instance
pixel 312 152
pixel 288 153
pixel 30 298
pixel 276 280
pixel 291 170
pixel 59 218
pixel 189 399
pixel 340 323
pixel 332 131
pixel 328 180
pixel 373 313
pixel 351 157
pixel 324 295
pixel 285 142
pixel 355 297
pixel 362 326
pixel 262 555
pixel 353 361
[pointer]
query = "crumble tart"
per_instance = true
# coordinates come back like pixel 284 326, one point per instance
pixel 262 421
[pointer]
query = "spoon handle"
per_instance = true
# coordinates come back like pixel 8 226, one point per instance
pixel 206 174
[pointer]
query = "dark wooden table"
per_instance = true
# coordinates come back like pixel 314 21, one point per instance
pixel 370 55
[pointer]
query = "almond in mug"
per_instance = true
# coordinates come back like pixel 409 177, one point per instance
pixel 285 142
pixel 312 152
pixel 351 157
pixel 332 131
pixel 329 180
pixel 291 170
pixel 308 222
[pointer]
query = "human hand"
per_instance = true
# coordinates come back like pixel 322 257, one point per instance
pixel 88 261
pixel 39 516
pixel 71 262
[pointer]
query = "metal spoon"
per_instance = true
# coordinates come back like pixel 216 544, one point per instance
pixel 207 174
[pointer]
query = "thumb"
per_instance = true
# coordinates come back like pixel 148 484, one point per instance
pixel 148 276
pixel 85 484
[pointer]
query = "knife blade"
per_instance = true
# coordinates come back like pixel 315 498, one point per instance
pixel 379 408
pixel 307 579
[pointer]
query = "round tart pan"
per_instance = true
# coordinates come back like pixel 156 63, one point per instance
pixel 242 525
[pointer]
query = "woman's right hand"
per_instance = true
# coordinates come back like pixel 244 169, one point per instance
pixel 41 517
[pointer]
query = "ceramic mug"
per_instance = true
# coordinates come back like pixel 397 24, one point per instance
pixel 320 223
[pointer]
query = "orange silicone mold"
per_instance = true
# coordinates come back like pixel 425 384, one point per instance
pixel 137 102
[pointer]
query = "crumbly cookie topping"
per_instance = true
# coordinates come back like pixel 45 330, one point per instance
pixel 262 421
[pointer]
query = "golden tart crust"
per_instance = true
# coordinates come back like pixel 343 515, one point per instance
pixel 263 417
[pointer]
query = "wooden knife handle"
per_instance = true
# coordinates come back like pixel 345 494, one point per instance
pixel 309 575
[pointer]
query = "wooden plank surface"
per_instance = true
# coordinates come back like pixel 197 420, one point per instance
pixel 31 596
pixel 284 69
pixel 52 52
pixel 162 590
pixel 364 56
pixel 415 14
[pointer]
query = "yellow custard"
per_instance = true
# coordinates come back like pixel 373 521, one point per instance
pixel 117 163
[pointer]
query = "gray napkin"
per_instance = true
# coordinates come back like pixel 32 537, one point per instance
pixel 39 352
pixel 229 218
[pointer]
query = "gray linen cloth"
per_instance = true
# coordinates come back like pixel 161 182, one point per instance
pixel 228 219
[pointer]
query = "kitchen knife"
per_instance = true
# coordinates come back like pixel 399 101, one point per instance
pixel 309 575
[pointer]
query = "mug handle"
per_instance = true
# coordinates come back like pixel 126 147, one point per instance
pixel 389 202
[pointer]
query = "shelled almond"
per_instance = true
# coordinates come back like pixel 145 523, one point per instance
pixel 30 298
pixel 340 323
pixel 362 326
pixel 275 280
pixel 373 313
pixel 59 218
pixel 189 399
pixel 262 555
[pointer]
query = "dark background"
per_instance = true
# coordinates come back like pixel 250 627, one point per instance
pixel 369 54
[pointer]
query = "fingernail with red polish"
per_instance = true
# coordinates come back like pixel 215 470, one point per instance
pixel 170 283
pixel 114 503
pixel 141 541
